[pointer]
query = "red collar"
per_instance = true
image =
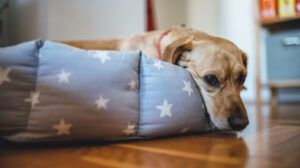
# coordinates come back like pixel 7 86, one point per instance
pixel 158 46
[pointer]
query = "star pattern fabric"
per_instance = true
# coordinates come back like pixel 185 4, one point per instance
pixel 137 99
pixel 132 84
pixel 187 87
pixel 62 128
pixel 103 56
pixel 173 101
pixel 33 99
pixel 158 65
pixel 101 102
pixel 165 109
pixel 123 56
pixel 63 76
pixel 130 129
pixel 184 130
pixel 4 75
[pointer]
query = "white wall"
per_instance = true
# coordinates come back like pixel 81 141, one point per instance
pixel 94 19
pixel 74 19
pixel 202 15
pixel 198 14
pixel 236 22
pixel 169 13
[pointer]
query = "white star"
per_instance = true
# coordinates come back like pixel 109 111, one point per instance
pixel 101 102
pixel 132 84
pixel 130 129
pixel 62 127
pixel 63 77
pixel 184 130
pixel 123 56
pixel 33 99
pixel 165 109
pixel 4 75
pixel 187 87
pixel 103 56
pixel 158 65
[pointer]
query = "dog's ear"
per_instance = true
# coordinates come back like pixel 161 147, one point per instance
pixel 245 59
pixel 176 48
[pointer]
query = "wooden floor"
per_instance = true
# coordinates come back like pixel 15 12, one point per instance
pixel 271 140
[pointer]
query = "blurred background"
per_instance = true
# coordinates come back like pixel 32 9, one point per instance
pixel 267 30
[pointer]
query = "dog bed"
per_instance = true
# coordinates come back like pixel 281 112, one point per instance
pixel 54 92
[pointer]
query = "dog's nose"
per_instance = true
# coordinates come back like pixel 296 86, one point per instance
pixel 237 121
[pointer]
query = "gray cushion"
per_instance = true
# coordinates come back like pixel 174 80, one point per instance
pixel 170 101
pixel 18 65
pixel 60 93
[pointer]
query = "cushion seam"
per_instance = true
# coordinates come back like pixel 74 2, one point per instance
pixel 39 44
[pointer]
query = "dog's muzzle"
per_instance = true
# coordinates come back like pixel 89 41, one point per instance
pixel 237 121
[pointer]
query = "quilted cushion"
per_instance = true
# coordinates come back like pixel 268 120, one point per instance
pixel 54 92
pixel 17 76
pixel 170 100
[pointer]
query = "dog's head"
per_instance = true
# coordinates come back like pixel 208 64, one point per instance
pixel 219 69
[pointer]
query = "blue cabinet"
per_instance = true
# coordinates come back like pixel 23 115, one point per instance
pixel 283 61
pixel 283 55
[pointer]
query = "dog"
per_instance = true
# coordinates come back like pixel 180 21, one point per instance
pixel 217 65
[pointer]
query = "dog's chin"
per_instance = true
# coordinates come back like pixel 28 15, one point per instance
pixel 221 124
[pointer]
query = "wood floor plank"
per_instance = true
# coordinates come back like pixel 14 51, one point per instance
pixel 288 152
pixel 188 155
pixel 108 163
pixel 271 140
pixel 262 142
pixel 142 158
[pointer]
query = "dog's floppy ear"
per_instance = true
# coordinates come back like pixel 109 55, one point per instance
pixel 175 49
pixel 245 59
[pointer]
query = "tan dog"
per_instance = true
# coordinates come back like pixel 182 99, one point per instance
pixel 217 65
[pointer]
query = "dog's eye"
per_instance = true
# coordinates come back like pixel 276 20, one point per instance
pixel 212 80
pixel 241 79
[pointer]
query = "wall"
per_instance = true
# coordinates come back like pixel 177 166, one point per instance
pixel 169 13
pixel 202 15
pixel 236 22
pixel 3 25
pixel 198 14
pixel 74 19
pixel 23 20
